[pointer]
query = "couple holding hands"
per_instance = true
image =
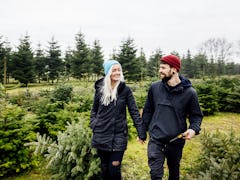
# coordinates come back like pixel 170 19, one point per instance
pixel 170 101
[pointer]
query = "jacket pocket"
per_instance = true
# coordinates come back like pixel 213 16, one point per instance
pixel 93 123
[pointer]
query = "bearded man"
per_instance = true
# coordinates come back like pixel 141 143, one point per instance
pixel 170 102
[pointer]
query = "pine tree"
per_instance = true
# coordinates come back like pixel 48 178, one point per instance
pixel 153 64
pixel 54 65
pixel 68 63
pixel 187 66
pixel 15 130
pixel 80 58
pixel 219 157
pixel 96 58
pixel 201 65
pixel 4 54
pixel 39 63
pixel 128 60
pixel 72 157
pixel 23 62
pixel 142 64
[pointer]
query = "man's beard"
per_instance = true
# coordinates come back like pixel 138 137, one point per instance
pixel 166 78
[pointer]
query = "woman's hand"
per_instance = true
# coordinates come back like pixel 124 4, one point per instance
pixel 140 140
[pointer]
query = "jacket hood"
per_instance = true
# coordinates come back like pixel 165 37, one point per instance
pixel 185 82
pixel 98 84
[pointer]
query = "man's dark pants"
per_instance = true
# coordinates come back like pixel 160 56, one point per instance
pixel 157 152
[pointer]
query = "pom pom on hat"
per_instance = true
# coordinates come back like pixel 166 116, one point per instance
pixel 172 60
pixel 108 64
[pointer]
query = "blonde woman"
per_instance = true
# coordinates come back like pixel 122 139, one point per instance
pixel 108 119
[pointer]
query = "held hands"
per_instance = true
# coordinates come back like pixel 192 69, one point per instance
pixel 140 140
pixel 189 134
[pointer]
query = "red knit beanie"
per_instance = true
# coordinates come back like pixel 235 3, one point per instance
pixel 172 60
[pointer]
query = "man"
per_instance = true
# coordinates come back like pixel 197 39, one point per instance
pixel 169 103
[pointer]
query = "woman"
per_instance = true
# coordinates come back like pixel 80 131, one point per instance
pixel 108 119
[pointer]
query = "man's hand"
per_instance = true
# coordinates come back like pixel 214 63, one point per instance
pixel 189 134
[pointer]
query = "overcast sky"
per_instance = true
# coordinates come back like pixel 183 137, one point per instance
pixel 171 25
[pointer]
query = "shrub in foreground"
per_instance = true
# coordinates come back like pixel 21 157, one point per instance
pixel 15 131
pixel 220 157
pixel 71 157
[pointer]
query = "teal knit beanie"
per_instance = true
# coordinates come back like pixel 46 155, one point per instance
pixel 108 64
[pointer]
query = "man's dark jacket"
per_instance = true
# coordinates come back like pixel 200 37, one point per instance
pixel 167 108
pixel 109 123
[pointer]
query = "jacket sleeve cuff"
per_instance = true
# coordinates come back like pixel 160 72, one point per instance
pixel 195 128
pixel 142 133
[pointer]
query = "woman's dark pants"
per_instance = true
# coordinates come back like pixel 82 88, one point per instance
pixel 111 164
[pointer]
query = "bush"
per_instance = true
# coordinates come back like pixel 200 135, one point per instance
pixel 140 100
pixel 233 101
pixel 15 131
pixel 62 93
pixel 23 99
pixel 228 83
pixel 132 132
pixel 53 116
pixel 84 103
pixel 229 94
pixel 207 98
pixel 55 119
pixel 219 95
pixel 2 89
pixel 72 156
pixel 219 158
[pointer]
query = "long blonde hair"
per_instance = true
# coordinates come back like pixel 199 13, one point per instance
pixel 109 94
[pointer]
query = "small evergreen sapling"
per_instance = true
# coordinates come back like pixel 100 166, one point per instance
pixel 71 157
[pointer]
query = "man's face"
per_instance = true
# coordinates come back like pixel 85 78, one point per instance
pixel 165 72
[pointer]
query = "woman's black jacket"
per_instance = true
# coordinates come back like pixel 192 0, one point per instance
pixel 109 123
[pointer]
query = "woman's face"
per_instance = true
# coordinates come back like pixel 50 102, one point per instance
pixel 116 72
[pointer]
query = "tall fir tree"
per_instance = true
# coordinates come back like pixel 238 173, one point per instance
pixel 54 64
pixel 2 56
pixel 23 70
pixel 142 64
pixel 176 54
pixel 230 68
pixel 221 67
pixel 113 55
pixel 80 58
pixel 5 51
pixel 128 60
pixel 187 66
pixel 68 63
pixel 153 64
pixel 40 63
pixel 218 51
pixel 201 62
pixel 96 58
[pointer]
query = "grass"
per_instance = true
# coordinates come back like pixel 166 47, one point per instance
pixel 135 166
pixel 135 159
pixel 36 174
pixel 36 88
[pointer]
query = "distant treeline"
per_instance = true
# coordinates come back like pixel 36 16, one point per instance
pixel 84 61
